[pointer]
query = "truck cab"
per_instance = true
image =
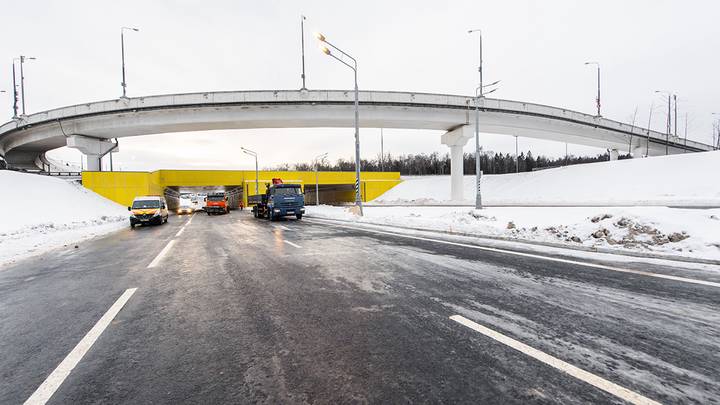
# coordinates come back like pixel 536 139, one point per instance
pixel 279 200
pixel 216 203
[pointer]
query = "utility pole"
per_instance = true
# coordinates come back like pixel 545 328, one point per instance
pixel 647 144
pixel 686 125
pixel 597 100
pixel 22 80
pixel 382 152
pixel 675 99
pixel 15 93
pixel 667 133
pixel 317 179
pixel 302 46
pixel 517 161
pixel 632 130
pixel 478 95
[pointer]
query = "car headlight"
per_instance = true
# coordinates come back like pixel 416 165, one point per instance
pixel 132 216
pixel 156 213
pixel 276 210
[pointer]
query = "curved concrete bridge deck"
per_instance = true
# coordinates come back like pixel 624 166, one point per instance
pixel 89 127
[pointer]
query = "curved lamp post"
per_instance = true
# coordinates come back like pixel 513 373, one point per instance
pixel 353 66
pixel 122 52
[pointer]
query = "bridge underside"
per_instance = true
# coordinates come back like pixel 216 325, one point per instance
pixel 89 127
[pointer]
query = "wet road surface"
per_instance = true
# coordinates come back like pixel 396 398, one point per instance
pixel 238 310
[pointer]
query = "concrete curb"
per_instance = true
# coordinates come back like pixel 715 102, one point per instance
pixel 615 252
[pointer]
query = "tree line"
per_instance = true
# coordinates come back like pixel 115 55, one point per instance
pixel 437 164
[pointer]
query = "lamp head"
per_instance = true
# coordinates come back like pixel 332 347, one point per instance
pixel 320 37
pixel 325 50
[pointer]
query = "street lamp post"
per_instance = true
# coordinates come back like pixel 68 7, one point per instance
pixel 15 93
pixel 22 79
pixel 669 118
pixel 122 53
pixel 257 173
pixel 353 66
pixel 317 180
pixel 479 93
pixel 597 100
pixel 302 45
pixel 382 151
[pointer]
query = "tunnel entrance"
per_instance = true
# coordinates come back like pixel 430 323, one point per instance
pixel 173 194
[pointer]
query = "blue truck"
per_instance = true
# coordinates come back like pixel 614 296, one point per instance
pixel 280 200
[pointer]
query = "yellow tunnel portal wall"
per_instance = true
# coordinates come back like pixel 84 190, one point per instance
pixel 123 187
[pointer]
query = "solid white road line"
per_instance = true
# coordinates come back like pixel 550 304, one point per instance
pixel 599 382
pixel 180 232
pixel 537 256
pixel 46 390
pixel 162 254
pixel 292 244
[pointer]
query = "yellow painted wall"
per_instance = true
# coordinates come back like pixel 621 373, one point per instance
pixel 122 187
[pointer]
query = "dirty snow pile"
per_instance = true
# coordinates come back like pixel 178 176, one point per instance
pixel 693 233
pixel 38 213
pixel 684 180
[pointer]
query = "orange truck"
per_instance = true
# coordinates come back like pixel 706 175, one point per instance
pixel 217 203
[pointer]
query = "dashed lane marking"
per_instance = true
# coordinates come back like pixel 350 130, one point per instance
pixel 46 390
pixel 180 231
pixel 592 379
pixel 162 254
pixel 292 244
pixel 536 256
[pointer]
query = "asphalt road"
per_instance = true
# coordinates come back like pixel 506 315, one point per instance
pixel 241 310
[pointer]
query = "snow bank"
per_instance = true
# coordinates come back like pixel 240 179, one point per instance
pixel 39 213
pixel 678 180
pixel 693 233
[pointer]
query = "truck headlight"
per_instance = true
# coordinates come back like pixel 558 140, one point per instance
pixel 156 213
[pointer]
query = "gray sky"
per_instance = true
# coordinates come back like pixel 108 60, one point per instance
pixel 537 49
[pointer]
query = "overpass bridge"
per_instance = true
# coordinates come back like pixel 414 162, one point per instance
pixel 90 127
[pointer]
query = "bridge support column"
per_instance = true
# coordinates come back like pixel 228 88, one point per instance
pixel 93 148
pixel 614 154
pixel 456 140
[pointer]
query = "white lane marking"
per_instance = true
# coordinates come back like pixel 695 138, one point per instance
pixel 46 390
pixel 292 244
pixel 190 220
pixel 599 382
pixel 537 256
pixel 162 254
pixel 180 231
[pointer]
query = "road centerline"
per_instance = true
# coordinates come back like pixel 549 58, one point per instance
pixel 292 244
pixel 162 254
pixel 592 379
pixel 46 390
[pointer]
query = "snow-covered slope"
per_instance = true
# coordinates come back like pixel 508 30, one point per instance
pixel 677 180
pixel 38 213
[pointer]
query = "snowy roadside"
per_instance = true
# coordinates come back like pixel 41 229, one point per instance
pixel 690 233
pixel 39 213
pixel 676 180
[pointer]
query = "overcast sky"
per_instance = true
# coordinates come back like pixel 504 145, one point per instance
pixel 537 49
